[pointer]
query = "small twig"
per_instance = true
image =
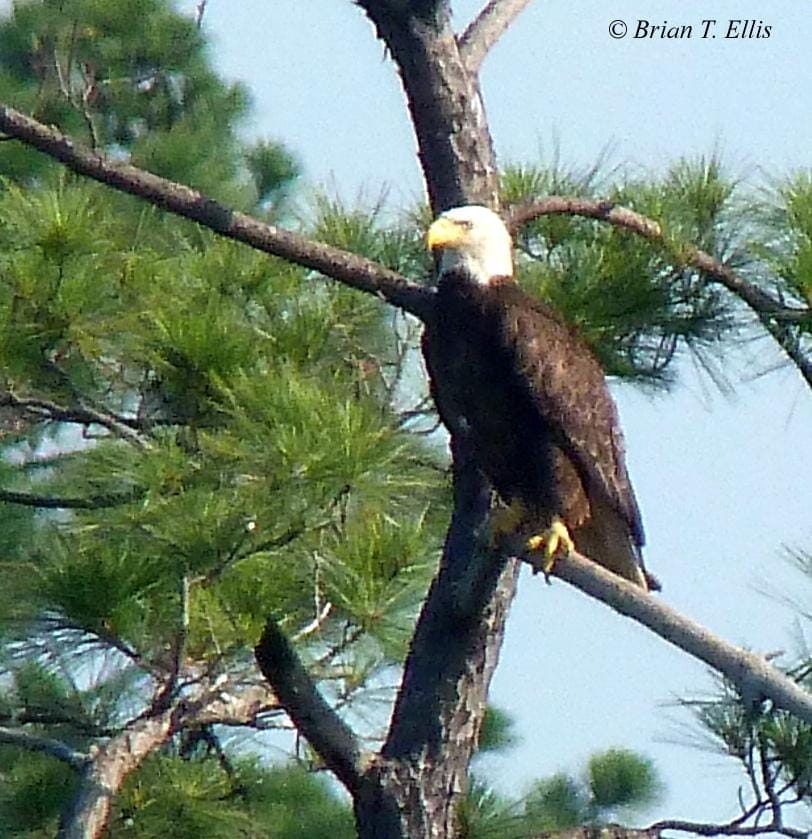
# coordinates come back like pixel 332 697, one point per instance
pixel 236 554
pixel 316 624
pixel 728 829
pixel 200 10
pixel 350 636
pixel 768 780
pixel 27 716
pixel 82 415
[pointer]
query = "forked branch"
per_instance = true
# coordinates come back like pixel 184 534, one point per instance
pixel 486 29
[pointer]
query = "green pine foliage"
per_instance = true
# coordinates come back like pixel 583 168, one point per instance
pixel 250 455
pixel 235 437
pixel 221 801
pixel 266 422
pixel 785 220
pixel 34 790
pixel 274 474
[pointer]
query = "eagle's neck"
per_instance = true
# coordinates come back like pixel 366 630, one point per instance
pixel 481 266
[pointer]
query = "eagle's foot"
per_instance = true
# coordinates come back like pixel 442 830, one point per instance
pixel 553 543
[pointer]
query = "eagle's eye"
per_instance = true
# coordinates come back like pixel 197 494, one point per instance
pixel 465 224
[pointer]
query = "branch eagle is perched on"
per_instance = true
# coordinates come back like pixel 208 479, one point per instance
pixel 528 394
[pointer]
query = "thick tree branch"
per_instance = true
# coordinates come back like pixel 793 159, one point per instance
pixel 354 271
pixel 53 748
pixel 452 621
pixel 414 785
pixel 321 726
pixel 486 29
pixel 776 317
pixel 752 674
pixel 89 813
pixel 600 831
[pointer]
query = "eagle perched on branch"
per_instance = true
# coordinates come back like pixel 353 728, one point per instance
pixel 510 376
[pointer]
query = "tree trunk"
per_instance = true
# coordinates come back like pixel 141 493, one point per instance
pixel 453 139
pixel 412 787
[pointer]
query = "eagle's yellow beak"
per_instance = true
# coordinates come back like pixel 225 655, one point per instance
pixel 445 233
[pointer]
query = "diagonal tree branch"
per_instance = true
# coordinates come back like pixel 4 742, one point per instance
pixel 486 29
pixel 54 748
pixel 355 271
pixel 776 317
pixel 752 674
pixel 734 828
pixel 296 691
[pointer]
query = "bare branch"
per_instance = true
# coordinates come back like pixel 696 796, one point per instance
pixel 354 271
pixel 775 316
pixel 752 674
pixel 91 502
pixel 618 216
pixel 602 831
pixel 53 748
pixel 486 29
pixel 206 703
pixel 200 10
pixel 82 415
pixel 236 705
pixel 772 828
pixel 329 735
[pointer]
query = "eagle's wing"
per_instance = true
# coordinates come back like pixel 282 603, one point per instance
pixel 567 385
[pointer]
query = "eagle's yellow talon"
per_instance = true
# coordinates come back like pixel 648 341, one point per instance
pixel 553 543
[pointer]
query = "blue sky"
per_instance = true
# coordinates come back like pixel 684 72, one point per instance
pixel 722 481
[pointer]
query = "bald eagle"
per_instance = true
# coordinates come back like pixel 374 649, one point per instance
pixel 531 398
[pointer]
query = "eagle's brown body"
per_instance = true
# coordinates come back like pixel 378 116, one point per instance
pixel 532 399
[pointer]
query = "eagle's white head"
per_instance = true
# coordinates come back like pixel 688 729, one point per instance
pixel 474 239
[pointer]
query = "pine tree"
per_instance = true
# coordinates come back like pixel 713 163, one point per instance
pixel 204 446
pixel 194 436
